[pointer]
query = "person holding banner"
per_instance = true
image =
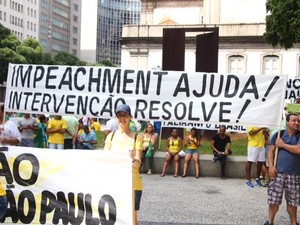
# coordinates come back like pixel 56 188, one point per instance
pixel 56 129
pixel 122 140
pixel 9 133
pixel 193 141
pixel 285 172
pixel 174 146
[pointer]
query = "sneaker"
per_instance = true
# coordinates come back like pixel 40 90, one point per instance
pixel 265 183
pixel 258 182
pixel 267 223
pixel 149 172
pixel 214 159
pixel 249 184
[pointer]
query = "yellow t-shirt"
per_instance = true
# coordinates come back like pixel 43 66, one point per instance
pixel 174 145
pixel 257 140
pixel 146 141
pixel 120 143
pixel 192 145
pixel 80 132
pixel 96 126
pixel 2 191
pixel 57 138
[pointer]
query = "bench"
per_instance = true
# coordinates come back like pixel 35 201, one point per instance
pixel 235 166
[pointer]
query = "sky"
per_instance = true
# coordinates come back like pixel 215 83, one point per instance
pixel 88 24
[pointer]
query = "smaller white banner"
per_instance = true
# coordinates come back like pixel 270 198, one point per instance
pixel 47 186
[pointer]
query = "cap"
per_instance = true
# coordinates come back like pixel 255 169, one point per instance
pixel 123 108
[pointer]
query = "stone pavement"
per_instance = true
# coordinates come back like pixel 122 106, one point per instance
pixel 185 201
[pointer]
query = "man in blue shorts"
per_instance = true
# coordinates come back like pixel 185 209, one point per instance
pixel 286 176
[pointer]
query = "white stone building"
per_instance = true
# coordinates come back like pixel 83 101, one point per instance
pixel 21 17
pixel 242 48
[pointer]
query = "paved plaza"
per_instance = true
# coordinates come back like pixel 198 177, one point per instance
pixel 210 201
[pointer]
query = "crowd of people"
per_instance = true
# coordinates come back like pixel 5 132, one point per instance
pixel 67 132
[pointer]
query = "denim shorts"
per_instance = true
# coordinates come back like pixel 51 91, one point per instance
pixel 192 151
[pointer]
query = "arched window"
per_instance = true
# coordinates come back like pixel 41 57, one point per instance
pixel 236 64
pixel 271 64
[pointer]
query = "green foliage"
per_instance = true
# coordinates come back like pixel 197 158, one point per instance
pixel 28 52
pixel 283 22
pixel 4 32
pixel 10 41
pixel 107 62
pixel 64 58
pixel 48 59
pixel 32 51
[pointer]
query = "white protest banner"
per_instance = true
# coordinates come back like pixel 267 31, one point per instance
pixel 152 95
pixel 66 187
pixel 230 128
pixel 292 88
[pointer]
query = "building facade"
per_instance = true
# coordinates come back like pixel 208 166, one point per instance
pixel 60 25
pixel 21 17
pixel 112 15
pixel 242 48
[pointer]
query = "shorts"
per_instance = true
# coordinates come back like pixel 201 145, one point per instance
pixel 192 151
pixel 290 184
pixel 137 199
pixel 56 146
pixel 256 154
pixel 27 142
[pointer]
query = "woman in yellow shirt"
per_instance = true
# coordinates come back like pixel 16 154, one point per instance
pixel 193 142
pixel 149 139
pixel 174 146
pixel 3 201
pixel 122 140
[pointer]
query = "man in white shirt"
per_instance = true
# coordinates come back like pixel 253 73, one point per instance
pixel 9 133
pixel 27 126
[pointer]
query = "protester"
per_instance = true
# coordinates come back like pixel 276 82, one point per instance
pixel 95 126
pixel 286 176
pixel 3 201
pixel 27 126
pixel 256 153
pixel 9 133
pixel 56 129
pixel 40 139
pixel 174 146
pixel 88 139
pixel 78 133
pixel 122 140
pixel 264 177
pixel 86 121
pixel 111 126
pixel 72 122
pixel 149 139
pixel 221 146
pixel 193 142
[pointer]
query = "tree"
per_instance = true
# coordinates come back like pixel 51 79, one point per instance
pixel 107 62
pixel 4 32
pixel 283 23
pixel 64 58
pixel 32 51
